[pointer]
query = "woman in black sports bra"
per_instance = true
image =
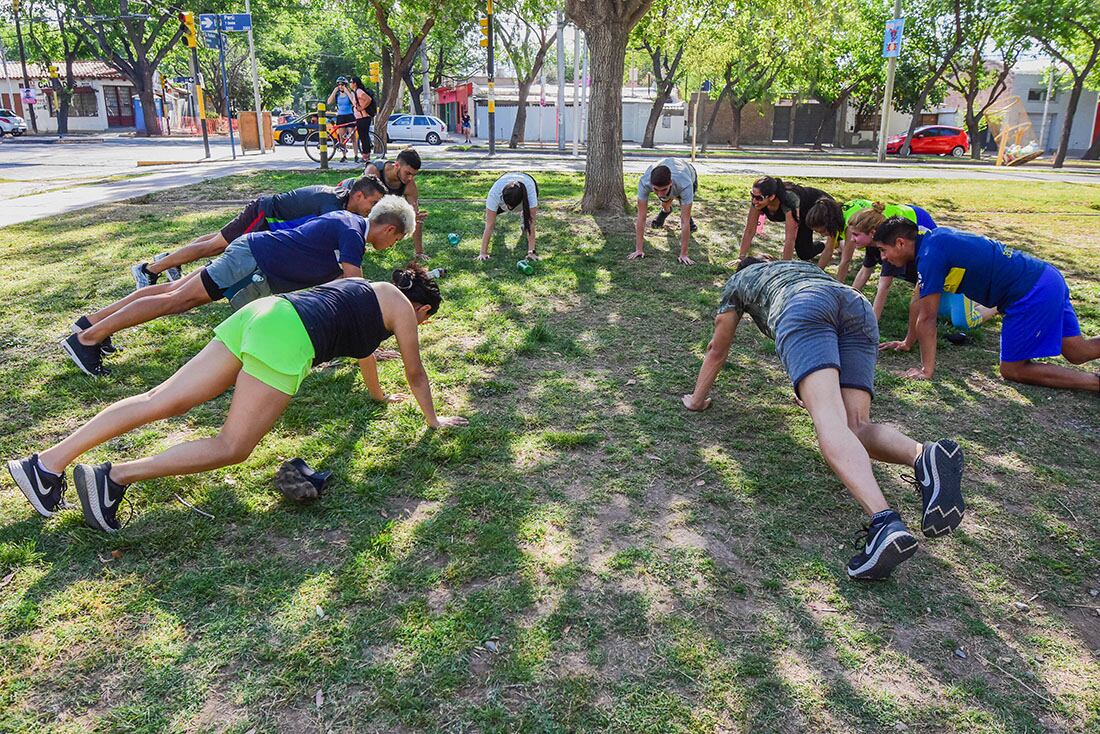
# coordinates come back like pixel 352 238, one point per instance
pixel 263 351
pixel 785 202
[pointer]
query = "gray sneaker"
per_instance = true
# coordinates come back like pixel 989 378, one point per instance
pixel 142 277
pixel 173 273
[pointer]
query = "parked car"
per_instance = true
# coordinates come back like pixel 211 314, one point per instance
pixel 11 123
pixel 297 130
pixel 420 128
pixel 933 139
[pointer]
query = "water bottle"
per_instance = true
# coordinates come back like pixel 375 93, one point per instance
pixel 453 239
pixel 436 273
pixel 525 267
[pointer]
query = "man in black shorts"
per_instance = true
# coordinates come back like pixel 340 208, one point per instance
pixel 356 195
pixel 826 336
pixel 399 178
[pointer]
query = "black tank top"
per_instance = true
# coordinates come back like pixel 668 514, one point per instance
pixel 342 318
pixel 398 190
pixel 803 198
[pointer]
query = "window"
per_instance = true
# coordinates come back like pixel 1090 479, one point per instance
pixel 403 120
pixel 1039 95
pixel 666 121
pixel 868 121
pixel 7 113
pixel 82 104
pixel 421 121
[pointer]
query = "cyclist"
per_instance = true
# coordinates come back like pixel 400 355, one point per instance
pixel 345 111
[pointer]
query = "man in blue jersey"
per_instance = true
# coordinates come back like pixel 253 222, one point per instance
pixel 1039 320
pixel 322 249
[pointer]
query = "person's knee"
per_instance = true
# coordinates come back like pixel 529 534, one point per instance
pixel 1075 353
pixel 185 298
pixel 163 404
pixel 234 449
pixel 1013 371
pixel 859 425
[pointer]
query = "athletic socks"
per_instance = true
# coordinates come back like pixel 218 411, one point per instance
pixel 878 517
pixel 38 465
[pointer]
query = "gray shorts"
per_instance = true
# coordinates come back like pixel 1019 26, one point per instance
pixel 829 327
pixel 235 275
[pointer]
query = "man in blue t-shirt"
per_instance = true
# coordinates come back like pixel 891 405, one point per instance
pixel 1039 320
pixel 324 248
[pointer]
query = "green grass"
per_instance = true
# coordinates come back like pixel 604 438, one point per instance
pixel 585 556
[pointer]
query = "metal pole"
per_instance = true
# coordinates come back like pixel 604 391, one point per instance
pixel 23 61
pixel 4 61
pixel 225 87
pixel 542 98
pixel 695 123
pixel 425 84
pixel 887 97
pixel 559 112
pixel 322 135
pixel 255 83
pixel 198 100
pixel 1046 107
pixel 492 85
pixel 584 95
pixel 576 90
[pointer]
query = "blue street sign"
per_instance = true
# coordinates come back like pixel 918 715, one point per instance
pixel 236 22
pixel 181 80
pixel 208 22
pixel 891 39
pixel 212 39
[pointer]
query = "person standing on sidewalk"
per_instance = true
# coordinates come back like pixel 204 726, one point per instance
pixel 365 109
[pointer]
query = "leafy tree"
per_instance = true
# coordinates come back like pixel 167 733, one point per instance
pixel 54 40
pixel 933 36
pixel 663 35
pixel 526 40
pixel 607 25
pixel 1068 30
pixel 132 39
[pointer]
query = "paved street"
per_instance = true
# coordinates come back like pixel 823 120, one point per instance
pixel 40 179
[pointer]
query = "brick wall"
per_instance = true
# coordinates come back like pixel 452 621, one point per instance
pixel 756 122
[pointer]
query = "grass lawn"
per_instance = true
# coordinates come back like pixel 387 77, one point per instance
pixel 586 556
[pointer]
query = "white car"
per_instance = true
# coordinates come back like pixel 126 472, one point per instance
pixel 11 123
pixel 421 128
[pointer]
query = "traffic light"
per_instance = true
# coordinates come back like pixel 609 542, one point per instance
pixel 187 20
pixel 484 42
pixel 53 71
pixel 375 71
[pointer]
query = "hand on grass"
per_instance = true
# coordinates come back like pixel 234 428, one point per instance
pixel 689 403
pixel 636 255
pixel 421 216
pixel 484 256
pixel 423 256
pixel 685 260
pixel 896 346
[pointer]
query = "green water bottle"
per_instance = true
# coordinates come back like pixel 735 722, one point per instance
pixel 453 239
pixel 525 267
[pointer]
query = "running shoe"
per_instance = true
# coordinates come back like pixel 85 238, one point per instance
pixel 142 277
pixel 99 496
pixel 659 220
pixel 939 479
pixel 886 544
pixel 106 346
pixel 694 226
pixel 88 358
pixel 45 491
pixel 173 273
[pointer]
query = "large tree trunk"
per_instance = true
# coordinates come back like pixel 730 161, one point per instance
pixel 603 168
pixel 735 127
pixel 414 91
pixel 1067 126
pixel 973 125
pixel 520 125
pixel 1093 153
pixel 144 87
pixel 664 94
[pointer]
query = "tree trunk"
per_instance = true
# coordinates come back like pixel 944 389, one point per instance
pixel 603 168
pixel 972 129
pixel 1093 153
pixel 713 114
pixel 735 128
pixel 414 91
pixel 664 94
pixel 819 133
pixel 520 126
pixel 1067 126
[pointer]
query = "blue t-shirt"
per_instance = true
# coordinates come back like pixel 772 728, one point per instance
pixel 343 104
pixel 982 269
pixel 311 254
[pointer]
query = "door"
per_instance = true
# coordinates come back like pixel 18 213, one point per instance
pixel 120 105
pixel 807 118
pixel 401 128
pixel 781 124
pixel 421 124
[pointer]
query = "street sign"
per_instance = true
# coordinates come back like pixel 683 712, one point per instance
pixel 208 22
pixel 182 80
pixel 212 39
pixel 234 22
pixel 891 39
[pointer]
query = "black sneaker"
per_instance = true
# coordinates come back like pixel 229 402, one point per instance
pixel 886 543
pixel 99 496
pixel 694 226
pixel 142 277
pixel 106 346
pixel 45 491
pixel 88 358
pixel 939 478
pixel 173 273
pixel 960 339
pixel 659 220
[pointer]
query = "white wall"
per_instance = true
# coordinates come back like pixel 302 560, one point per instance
pixel 1081 136
pixel 541 123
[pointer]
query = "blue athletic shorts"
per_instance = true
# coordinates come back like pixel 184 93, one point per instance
pixel 1035 325
pixel 924 219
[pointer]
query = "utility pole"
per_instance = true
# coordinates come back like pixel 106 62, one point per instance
pixel 576 90
pixel 222 40
pixel 23 61
pixel 1046 108
pixel 426 82
pixel 584 94
pixel 492 82
pixel 255 83
pixel 888 95
pixel 4 61
pixel 198 108
pixel 559 112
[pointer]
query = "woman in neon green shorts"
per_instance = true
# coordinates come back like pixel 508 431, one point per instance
pixel 263 351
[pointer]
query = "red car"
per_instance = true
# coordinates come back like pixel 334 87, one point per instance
pixel 935 140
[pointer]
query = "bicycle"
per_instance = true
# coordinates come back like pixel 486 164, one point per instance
pixel 339 144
